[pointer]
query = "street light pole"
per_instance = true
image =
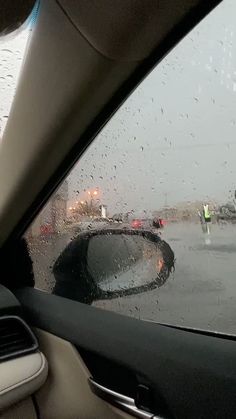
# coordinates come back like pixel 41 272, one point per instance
pixel 92 194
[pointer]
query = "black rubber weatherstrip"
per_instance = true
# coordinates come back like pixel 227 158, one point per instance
pixel 169 42
pixel 194 373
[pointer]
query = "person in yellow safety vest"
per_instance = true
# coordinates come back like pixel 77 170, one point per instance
pixel 206 213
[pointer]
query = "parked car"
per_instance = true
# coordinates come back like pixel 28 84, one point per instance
pixel 147 223
pixel 226 212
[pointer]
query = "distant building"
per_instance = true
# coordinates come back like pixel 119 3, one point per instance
pixel 183 211
pixel 53 216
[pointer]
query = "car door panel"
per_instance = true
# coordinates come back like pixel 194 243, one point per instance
pixel 27 391
pixel 188 374
pixel 67 394
pixel 25 409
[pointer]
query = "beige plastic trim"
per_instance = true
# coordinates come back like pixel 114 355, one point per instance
pixel 21 377
pixel 66 393
pixel 131 31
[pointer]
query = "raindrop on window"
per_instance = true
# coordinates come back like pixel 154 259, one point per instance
pixel 6 50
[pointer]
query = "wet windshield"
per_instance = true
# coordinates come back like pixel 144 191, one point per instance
pixel 164 163
pixel 12 51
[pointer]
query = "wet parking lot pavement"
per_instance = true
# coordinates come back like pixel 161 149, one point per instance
pixel 201 292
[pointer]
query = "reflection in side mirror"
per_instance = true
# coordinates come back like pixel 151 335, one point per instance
pixel 112 263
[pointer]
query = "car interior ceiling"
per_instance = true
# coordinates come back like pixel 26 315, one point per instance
pixel 54 117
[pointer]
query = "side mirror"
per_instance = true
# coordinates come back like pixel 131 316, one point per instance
pixel 112 263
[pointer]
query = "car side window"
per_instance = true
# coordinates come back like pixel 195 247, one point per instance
pixel 145 223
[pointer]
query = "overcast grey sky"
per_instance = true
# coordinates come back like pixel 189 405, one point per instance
pixel 174 138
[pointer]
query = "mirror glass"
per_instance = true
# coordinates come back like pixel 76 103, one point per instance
pixel 122 261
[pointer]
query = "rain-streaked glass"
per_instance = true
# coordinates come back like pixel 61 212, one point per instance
pixel 165 163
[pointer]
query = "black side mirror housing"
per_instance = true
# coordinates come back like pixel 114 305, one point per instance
pixel 112 263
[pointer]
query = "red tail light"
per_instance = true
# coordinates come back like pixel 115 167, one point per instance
pixel 136 224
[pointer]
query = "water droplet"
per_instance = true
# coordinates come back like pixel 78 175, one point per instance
pixel 6 50
pixel 141 148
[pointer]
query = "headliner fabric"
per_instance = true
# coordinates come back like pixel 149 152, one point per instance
pixel 128 29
